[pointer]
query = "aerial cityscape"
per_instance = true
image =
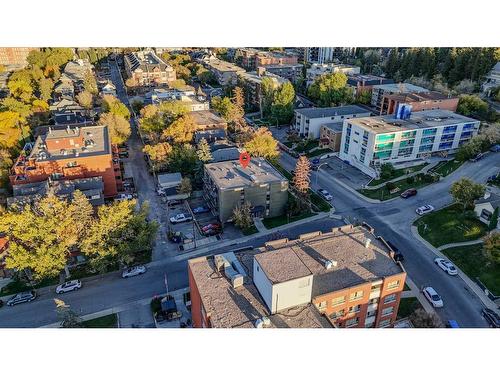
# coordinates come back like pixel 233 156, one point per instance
pixel 249 187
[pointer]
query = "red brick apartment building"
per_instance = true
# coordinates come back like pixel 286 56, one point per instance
pixel 15 55
pixel 69 153
pixel 252 58
pixel 343 278
pixel 419 102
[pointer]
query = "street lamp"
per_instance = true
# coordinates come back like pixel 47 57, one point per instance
pixel 317 172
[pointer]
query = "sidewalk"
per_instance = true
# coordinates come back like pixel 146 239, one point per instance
pixel 471 284
pixel 415 292
pixel 458 244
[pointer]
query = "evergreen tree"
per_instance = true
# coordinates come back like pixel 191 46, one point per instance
pixel 203 151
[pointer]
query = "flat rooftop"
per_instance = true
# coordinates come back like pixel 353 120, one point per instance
pixel 419 96
pixel 335 126
pixel 400 87
pixel 240 307
pixel 224 66
pixel 205 118
pixel 332 111
pixel 418 120
pixel 356 263
pixel 255 77
pixel 230 174
pixel 95 142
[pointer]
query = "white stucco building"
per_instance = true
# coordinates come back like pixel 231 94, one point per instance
pixel 317 70
pixel 369 142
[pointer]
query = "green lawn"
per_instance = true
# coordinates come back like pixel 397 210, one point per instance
pixel 383 194
pixel 273 222
pixel 444 168
pixel 307 146
pixel 473 263
pixel 107 321
pixel 318 152
pixel 280 169
pixel 449 225
pixel 397 173
pixel 407 306
pixel 18 286
pixel 249 231
pixel 319 202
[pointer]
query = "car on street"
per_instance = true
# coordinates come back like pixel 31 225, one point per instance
pixel 452 324
pixel 125 197
pixel 315 161
pixel 446 266
pixel 495 148
pixel 180 218
pixel 398 255
pixel 477 157
pixel 432 296
pixel 491 317
pixel 424 209
pixel 133 271
pixel 22 298
pixel 201 209
pixel 325 194
pixel 68 286
pixel 408 193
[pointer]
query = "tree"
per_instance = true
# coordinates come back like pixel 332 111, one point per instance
pixel 172 110
pixel 118 234
pixel 20 85
pixel 45 87
pixel 85 99
pixel 10 130
pixel 203 151
pixel 267 89
pixel 422 319
pixel 331 90
pixel 181 130
pixel 242 216
pixel 183 159
pixel 137 105
pixel 41 235
pixel 158 154
pixel 118 127
pixel 262 144
pixel 223 106
pixel 492 247
pixel 494 220
pixel 472 105
pixel 301 179
pixel 6 163
pixel 131 83
pixel 466 191
pixel 68 318
pixel 469 149
pixel 115 106
pixel 22 109
pixel 185 186
pixel 363 97
pixel 387 170
pixel 177 84
pixel 89 83
pixel 282 105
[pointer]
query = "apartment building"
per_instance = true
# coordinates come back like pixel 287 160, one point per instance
pixel 252 58
pixel 252 86
pixel 330 136
pixel 365 82
pixel 147 69
pixel 308 121
pixel 227 185
pixel 369 142
pixel 15 55
pixel 379 91
pixel 225 73
pixel 343 278
pixel 316 70
pixel 69 153
pixel 419 102
pixel 291 72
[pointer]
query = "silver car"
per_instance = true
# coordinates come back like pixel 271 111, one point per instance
pixel 133 271
pixel 21 298
pixel 68 286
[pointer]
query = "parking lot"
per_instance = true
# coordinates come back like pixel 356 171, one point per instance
pixel 345 172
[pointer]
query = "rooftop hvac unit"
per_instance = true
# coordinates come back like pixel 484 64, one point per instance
pixel 329 264
pixel 259 323
pixel 367 243
pixel 266 321
pixel 237 280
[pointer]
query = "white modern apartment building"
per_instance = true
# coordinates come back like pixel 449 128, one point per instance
pixel 369 142
pixel 308 121
pixel 317 70
pixel 378 92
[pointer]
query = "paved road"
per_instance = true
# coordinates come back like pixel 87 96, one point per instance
pixel 393 220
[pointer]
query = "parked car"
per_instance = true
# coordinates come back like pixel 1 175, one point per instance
pixel 477 157
pixel 408 193
pixel 133 271
pixel 424 209
pixel 491 317
pixel 493 178
pixel 398 255
pixel 180 218
pixel 68 286
pixel 315 161
pixel 125 197
pixel 495 148
pixel 325 194
pixel 452 324
pixel 446 266
pixel 201 209
pixel 22 298
pixel 211 226
pixel 211 229
pixel 174 202
pixel 432 296
pixel 179 237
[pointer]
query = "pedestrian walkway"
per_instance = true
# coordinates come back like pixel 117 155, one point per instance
pixel 458 244
pixel 259 225
pixel 471 284
pixel 415 292
pixel 139 316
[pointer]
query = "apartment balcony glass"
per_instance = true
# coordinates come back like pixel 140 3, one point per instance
pixel 432 131
pixel 385 137
pixel 468 126
pixel 467 134
pixel 382 155
pixel 408 143
pixel 445 145
pixel 447 137
pixel 449 129
pixel 409 135
pixel 427 140
pixel 425 148
pixel 405 152
pixel 384 146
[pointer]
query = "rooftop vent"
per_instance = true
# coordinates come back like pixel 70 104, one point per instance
pixel 367 243
pixel 329 264
pixel 262 322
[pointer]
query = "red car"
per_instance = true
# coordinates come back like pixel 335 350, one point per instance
pixel 409 193
pixel 211 229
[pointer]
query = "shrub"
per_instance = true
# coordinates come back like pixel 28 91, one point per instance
pixel 390 186
pixel 410 180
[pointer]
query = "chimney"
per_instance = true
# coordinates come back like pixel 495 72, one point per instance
pixel 367 243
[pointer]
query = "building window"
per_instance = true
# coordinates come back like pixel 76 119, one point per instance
pixel 376 288
pixel 393 285
pixel 337 314
pixel 356 295
pixel 371 313
pixel 338 301
pixel 385 323
pixel 390 298
pixel 352 322
pixel 387 311
pixel 373 300
pixel 354 309
pixel 321 306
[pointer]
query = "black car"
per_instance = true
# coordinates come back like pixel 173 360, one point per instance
pixel 478 157
pixel 491 317
pixel 21 298
pixel 398 256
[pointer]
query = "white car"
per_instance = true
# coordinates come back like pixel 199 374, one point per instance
pixel 325 194
pixel 124 197
pixel 424 209
pixel 133 271
pixel 432 296
pixel 180 218
pixel 446 266
pixel 68 286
